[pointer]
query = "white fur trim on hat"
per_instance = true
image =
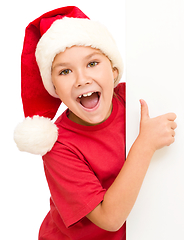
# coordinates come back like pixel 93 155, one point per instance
pixel 36 135
pixel 67 32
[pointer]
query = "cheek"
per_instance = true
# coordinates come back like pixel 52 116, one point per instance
pixel 110 80
pixel 54 82
pixel 106 75
pixel 59 84
pixel 59 88
pixel 62 92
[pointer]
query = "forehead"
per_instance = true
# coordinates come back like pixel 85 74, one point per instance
pixel 77 52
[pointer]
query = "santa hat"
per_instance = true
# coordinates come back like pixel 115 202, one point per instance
pixel 45 37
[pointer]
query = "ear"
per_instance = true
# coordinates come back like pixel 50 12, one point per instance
pixel 115 73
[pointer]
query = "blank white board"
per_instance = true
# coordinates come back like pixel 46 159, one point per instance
pixel 155 72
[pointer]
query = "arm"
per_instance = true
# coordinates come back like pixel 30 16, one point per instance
pixel 119 199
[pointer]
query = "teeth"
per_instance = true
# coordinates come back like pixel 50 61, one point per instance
pixel 86 94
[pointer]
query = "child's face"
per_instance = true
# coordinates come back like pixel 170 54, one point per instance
pixel 84 70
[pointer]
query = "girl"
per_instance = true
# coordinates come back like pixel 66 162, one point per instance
pixel 93 188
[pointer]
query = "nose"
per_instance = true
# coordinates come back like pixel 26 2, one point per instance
pixel 82 79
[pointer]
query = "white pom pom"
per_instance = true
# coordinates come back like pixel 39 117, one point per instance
pixel 36 135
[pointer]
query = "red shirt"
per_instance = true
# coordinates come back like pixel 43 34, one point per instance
pixel 79 169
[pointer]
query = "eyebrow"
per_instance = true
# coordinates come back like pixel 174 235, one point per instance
pixel 64 64
pixel 92 54
pixel 60 65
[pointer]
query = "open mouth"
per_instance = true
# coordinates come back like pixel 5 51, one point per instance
pixel 89 100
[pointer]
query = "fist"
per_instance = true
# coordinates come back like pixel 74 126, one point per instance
pixel 156 132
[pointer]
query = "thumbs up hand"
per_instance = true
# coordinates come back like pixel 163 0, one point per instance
pixel 156 132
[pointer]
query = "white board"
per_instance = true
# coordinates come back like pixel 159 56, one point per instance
pixel 155 72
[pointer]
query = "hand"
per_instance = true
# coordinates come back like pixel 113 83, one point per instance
pixel 156 132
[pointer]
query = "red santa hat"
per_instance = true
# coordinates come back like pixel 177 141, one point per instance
pixel 45 37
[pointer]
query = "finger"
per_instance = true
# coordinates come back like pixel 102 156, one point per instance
pixel 144 110
pixel 173 133
pixel 173 125
pixel 171 116
pixel 172 140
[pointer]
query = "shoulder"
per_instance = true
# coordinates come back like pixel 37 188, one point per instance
pixel 120 92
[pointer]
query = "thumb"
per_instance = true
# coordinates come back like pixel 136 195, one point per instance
pixel 144 110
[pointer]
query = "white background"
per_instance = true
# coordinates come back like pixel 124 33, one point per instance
pixel 155 72
pixel 24 195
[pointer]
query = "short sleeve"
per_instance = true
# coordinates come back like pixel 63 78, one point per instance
pixel 74 187
pixel 120 91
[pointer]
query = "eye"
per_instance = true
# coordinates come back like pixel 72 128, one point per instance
pixel 92 64
pixel 65 72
